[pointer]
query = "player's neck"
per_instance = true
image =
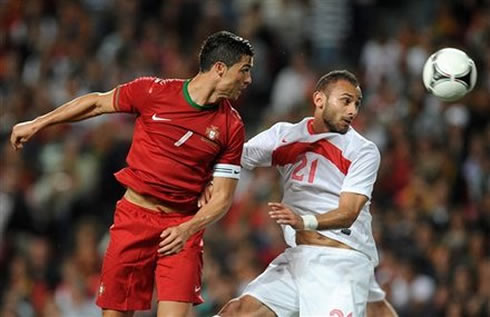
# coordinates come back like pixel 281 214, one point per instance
pixel 201 90
pixel 318 126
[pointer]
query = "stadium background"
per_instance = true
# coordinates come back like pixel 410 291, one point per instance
pixel 431 204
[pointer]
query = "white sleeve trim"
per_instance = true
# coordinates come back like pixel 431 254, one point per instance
pixel 226 170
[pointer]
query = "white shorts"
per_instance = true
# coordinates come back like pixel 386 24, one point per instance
pixel 316 281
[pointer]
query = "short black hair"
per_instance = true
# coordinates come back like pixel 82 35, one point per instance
pixel 224 47
pixel 333 77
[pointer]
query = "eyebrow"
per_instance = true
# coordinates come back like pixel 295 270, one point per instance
pixel 346 94
pixel 247 65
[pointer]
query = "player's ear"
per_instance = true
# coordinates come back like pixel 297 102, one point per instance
pixel 319 99
pixel 220 68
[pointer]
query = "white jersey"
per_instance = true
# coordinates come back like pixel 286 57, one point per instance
pixel 315 169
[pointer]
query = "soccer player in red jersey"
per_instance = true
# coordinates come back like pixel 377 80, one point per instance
pixel 186 132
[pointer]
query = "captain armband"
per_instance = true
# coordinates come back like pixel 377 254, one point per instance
pixel 226 170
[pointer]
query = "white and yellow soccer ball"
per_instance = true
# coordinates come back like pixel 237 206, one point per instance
pixel 449 74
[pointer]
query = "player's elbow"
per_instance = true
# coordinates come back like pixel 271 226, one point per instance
pixel 103 101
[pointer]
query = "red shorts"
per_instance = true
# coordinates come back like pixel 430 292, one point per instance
pixel 132 265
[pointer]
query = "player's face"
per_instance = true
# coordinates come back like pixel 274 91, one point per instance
pixel 236 78
pixel 339 108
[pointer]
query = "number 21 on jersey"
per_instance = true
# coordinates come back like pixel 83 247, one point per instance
pixel 305 167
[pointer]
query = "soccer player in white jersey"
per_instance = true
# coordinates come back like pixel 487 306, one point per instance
pixel 328 171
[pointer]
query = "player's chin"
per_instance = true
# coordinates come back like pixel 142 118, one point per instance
pixel 342 129
pixel 236 95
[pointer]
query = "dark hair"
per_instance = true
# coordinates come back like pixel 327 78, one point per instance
pixel 224 47
pixel 333 77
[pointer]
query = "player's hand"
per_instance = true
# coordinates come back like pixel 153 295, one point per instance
pixel 21 133
pixel 205 195
pixel 173 240
pixel 283 215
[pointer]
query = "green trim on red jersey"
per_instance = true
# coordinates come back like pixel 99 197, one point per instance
pixel 191 102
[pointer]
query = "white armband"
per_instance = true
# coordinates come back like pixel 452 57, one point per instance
pixel 226 170
pixel 310 222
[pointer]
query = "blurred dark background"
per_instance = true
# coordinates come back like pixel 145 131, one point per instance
pixel 431 204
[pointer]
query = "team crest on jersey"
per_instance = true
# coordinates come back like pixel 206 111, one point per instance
pixel 212 132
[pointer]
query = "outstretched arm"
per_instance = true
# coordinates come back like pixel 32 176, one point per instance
pixel 86 106
pixel 350 205
pixel 174 238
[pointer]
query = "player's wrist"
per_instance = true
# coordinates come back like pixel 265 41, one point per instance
pixel 309 222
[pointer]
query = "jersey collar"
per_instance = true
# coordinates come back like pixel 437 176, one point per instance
pixel 311 131
pixel 309 125
pixel 187 96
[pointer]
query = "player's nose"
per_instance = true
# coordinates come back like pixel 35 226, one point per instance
pixel 248 79
pixel 352 110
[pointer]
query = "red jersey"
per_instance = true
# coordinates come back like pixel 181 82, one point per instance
pixel 177 144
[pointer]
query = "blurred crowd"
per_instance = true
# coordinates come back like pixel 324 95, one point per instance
pixel 431 204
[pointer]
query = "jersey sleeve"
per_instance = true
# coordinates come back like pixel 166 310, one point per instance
pixel 362 172
pixel 228 164
pixel 257 152
pixel 132 96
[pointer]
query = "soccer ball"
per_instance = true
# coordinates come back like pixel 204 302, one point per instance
pixel 449 74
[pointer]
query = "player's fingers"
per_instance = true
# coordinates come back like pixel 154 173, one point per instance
pixel 208 193
pixel 202 200
pixel 174 250
pixel 276 208
pixel 281 211
pixel 165 233
pixel 18 146
pixel 19 143
pixel 274 204
pixel 168 240
pixel 14 141
pixel 167 237
pixel 169 245
pixel 279 215
pixel 171 248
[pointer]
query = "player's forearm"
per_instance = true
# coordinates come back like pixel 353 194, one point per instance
pixel 80 108
pixel 216 208
pixel 336 219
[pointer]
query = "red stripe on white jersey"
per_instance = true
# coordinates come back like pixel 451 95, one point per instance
pixel 288 154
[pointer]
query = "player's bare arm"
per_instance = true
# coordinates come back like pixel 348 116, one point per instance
pixel 206 195
pixel 84 107
pixel 350 206
pixel 174 238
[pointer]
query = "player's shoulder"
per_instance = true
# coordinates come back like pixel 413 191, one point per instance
pixel 161 83
pixel 227 107
pixel 168 84
pixel 285 126
pixel 290 130
pixel 361 142
pixel 152 84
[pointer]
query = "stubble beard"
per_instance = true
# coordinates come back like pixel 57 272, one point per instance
pixel 333 128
